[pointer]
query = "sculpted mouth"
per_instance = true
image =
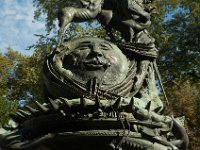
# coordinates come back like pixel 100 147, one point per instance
pixel 93 64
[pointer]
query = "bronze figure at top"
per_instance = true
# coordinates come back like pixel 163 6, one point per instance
pixel 99 94
pixel 129 17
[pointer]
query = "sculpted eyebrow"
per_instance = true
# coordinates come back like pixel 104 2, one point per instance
pixel 85 43
pixel 108 45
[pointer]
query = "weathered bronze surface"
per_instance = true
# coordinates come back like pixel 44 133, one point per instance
pixel 100 94
pixel 130 17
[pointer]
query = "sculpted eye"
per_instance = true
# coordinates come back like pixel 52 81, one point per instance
pixel 85 43
pixel 84 46
pixel 105 46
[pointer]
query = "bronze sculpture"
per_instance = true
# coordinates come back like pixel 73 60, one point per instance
pixel 127 16
pixel 99 91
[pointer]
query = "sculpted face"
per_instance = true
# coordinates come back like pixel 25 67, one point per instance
pixel 92 57
pixel 91 4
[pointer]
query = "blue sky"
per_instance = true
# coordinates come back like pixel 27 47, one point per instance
pixel 17 26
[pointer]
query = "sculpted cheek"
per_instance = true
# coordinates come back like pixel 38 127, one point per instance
pixel 113 59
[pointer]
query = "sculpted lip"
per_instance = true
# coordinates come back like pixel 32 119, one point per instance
pixel 93 63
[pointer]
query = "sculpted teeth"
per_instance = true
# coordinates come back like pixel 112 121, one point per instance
pixel 24 112
pixel 21 115
pixel 41 107
pixel 83 102
pixel 97 102
pixel 66 103
pixel 31 110
pixel 65 107
pixel 53 104
pixel 116 105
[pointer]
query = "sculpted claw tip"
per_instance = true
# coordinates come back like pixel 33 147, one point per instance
pixel 148 106
pixel 83 102
pixel 97 101
pixel 66 103
pixel 53 104
pixel 116 105
pixel 20 114
pixel 31 110
pixel 13 137
pixel 25 113
pixel 41 107
pixel 131 104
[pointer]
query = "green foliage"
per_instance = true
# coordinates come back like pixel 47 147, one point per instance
pixel 21 76
pixel 6 68
pixel 178 37
pixel 6 108
pixel 177 32
pixel 9 63
pixel 184 96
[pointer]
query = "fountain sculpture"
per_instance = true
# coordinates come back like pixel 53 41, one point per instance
pixel 100 94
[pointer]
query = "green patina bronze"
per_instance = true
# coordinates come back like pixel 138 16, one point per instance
pixel 100 95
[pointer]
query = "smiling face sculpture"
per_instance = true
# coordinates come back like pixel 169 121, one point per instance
pixel 92 57
pixel 83 60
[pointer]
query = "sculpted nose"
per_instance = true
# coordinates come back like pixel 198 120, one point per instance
pixel 97 51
